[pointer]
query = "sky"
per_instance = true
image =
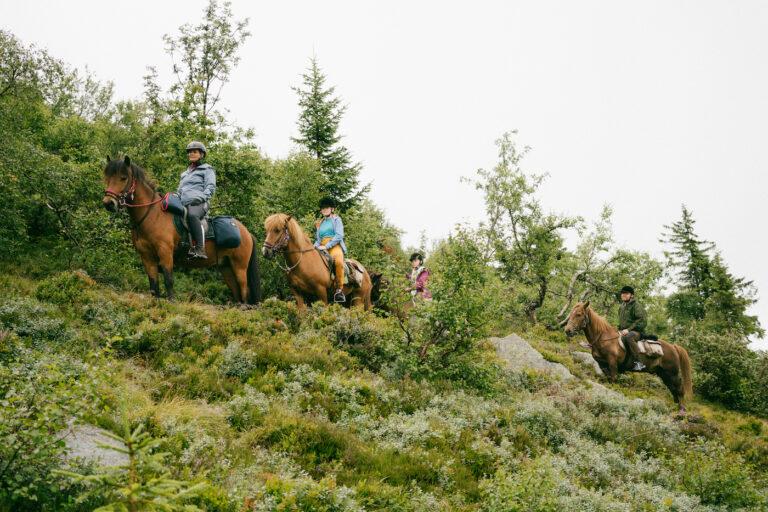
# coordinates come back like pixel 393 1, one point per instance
pixel 641 105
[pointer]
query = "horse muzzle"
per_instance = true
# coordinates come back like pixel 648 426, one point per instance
pixel 268 252
pixel 110 204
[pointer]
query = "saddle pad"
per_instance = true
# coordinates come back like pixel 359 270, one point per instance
pixel 353 270
pixel 222 229
pixel 650 348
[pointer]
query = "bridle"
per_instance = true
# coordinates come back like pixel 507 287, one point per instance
pixel 125 199
pixel 282 246
pixel 586 322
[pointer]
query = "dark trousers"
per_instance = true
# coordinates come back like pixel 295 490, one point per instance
pixel 630 341
pixel 195 212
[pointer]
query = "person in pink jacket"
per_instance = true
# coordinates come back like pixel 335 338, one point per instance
pixel 418 277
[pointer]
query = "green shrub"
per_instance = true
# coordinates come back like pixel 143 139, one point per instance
pixel 532 488
pixel 66 288
pixel 37 322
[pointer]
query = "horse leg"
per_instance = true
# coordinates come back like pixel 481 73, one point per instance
pixel 613 370
pixel 675 386
pixel 150 267
pixel 229 278
pixel 300 304
pixel 322 294
pixel 241 275
pixel 166 265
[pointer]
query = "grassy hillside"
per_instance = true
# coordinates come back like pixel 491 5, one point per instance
pixel 328 412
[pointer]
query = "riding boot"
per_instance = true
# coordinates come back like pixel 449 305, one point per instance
pixel 195 212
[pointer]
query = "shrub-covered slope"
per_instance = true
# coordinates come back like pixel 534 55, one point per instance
pixel 332 412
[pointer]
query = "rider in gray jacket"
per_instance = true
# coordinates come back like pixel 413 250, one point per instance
pixel 197 185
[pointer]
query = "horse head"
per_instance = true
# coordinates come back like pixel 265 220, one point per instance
pixel 578 319
pixel 277 235
pixel 119 182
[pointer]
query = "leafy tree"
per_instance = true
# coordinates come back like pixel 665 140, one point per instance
pixel 318 125
pixel 526 241
pixel 204 56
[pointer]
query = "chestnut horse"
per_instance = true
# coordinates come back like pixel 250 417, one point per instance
pixel 674 366
pixel 307 272
pixel 156 239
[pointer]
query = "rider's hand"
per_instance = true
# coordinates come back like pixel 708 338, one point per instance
pixel 321 247
pixel 624 332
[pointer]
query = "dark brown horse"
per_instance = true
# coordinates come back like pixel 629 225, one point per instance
pixel 674 366
pixel 157 241
pixel 307 272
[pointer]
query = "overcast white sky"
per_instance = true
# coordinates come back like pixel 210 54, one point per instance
pixel 643 105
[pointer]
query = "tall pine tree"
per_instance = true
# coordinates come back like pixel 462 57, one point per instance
pixel 321 113
pixel 707 291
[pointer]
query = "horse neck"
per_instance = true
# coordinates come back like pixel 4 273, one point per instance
pixel 142 195
pixel 592 331
pixel 297 249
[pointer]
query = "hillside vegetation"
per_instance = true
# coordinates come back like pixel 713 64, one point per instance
pixel 330 412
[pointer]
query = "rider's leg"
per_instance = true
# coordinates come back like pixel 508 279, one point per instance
pixel 194 214
pixel 338 262
pixel 630 341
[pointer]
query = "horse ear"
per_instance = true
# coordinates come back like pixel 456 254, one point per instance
pixel 127 161
pixel 586 305
pixel 289 217
pixel 109 158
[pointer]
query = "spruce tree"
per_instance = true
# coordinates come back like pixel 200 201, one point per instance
pixel 707 291
pixel 321 113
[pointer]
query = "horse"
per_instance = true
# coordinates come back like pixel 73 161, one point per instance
pixel 157 241
pixel 308 275
pixel 673 367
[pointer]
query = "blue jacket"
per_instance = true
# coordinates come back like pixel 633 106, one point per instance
pixel 338 238
pixel 197 185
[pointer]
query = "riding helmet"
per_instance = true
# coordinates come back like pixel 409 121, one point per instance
pixel 196 145
pixel 417 256
pixel 628 289
pixel 326 202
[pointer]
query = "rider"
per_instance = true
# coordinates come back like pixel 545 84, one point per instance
pixel 197 185
pixel 632 322
pixel 330 237
pixel 418 277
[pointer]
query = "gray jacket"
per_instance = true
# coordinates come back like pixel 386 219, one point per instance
pixel 197 185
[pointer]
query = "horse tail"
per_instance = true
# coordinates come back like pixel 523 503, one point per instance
pixel 253 276
pixel 685 370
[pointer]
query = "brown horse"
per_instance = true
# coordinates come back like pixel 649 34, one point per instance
pixel 674 366
pixel 156 239
pixel 308 274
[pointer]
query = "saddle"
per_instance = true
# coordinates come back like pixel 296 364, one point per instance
pixel 353 270
pixel 650 346
pixel 221 229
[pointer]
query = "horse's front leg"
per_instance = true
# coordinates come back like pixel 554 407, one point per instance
pixel 300 304
pixel 613 370
pixel 150 267
pixel 166 265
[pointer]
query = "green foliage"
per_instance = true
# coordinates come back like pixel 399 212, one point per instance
pixel 144 483
pixel 526 241
pixel 708 293
pixel 40 396
pixel 318 126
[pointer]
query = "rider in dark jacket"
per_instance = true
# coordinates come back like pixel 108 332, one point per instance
pixel 197 185
pixel 632 323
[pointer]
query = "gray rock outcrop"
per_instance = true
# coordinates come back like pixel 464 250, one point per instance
pixel 519 355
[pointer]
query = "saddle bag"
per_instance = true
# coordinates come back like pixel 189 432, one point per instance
pixel 171 203
pixel 227 232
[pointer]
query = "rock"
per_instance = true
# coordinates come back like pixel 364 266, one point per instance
pixel 83 442
pixel 520 355
pixel 586 359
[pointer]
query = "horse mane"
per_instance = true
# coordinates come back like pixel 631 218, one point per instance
pixel 294 229
pixel 117 166
pixel 600 323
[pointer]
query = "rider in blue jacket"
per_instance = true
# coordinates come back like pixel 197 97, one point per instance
pixel 197 185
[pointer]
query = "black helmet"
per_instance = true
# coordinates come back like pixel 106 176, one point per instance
pixel 326 202
pixel 627 289
pixel 417 256
pixel 196 145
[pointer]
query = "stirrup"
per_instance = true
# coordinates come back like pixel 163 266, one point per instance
pixel 339 296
